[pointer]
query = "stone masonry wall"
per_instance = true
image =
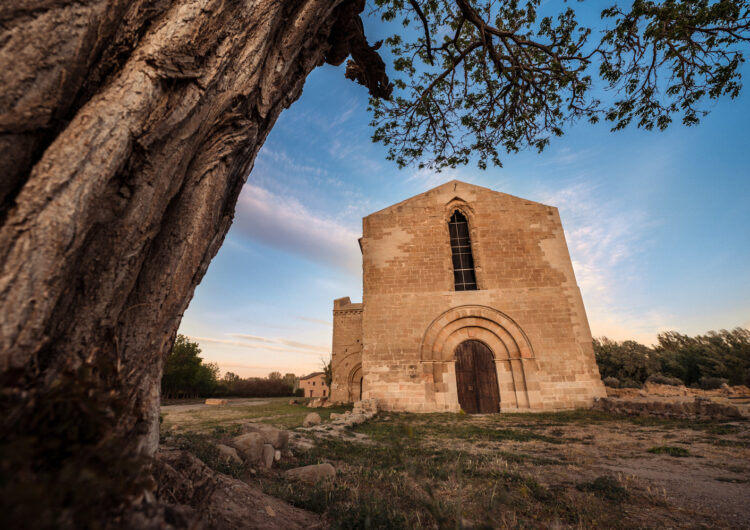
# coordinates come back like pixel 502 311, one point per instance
pixel 528 308
pixel 346 352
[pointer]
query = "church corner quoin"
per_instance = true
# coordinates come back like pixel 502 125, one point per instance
pixel 469 303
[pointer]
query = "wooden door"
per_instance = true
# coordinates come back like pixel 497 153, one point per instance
pixel 355 384
pixel 476 378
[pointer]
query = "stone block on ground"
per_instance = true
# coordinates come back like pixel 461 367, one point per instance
pixel 279 438
pixel 268 455
pixel 213 401
pixel 229 454
pixel 250 446
pixel 365 406
pixel 357 419
pixel 311 419
pixel 312 474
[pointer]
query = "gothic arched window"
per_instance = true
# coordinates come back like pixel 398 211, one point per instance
pixel 463 262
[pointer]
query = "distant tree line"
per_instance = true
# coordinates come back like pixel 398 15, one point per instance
pixel 272 386
pixel 705 361
pixel 187 376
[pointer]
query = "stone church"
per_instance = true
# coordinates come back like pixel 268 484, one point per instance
pixel 469 303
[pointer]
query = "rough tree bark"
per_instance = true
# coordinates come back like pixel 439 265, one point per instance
pixel 127 129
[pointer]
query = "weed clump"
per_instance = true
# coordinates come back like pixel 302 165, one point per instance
pixel 606 488
pixel 670 450
pixel 661 379
pixel 203 446
pixel 712 383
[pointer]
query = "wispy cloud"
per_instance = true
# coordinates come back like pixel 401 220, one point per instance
pixel 285 224
pixel 605 241
pixel 426 179
pixel 316 321
pixel 279 157
pixel 261 370
pixel 565 156
pixel 284 342
pixel 257 346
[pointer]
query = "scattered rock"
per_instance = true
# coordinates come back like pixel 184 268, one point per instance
pixel 214 401
pixel 311 419
pixel 279 438
pixel 312 474
pixel 700 407
pixel 356 419
pixel 293 402
pixel 303 443
pixel 277 455
pixel 268 455
pixel 250 446
pixel 655 389
pixel 229 454
pixel 365 406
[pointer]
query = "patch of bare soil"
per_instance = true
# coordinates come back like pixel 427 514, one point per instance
pixel 201 405
pixel 707 483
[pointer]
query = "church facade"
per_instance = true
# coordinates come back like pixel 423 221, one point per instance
pixel 469 303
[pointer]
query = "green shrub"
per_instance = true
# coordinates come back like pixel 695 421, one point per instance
pixel 606 488
pixel 715 356
pixel 630 383
pixel 712 383
pixel 611 382
pixel 661 379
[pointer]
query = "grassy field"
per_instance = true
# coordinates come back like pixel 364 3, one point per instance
pixel 570 469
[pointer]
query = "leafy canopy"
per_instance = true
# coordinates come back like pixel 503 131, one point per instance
pixel 476 78
pixel 718 355
pixel 185 373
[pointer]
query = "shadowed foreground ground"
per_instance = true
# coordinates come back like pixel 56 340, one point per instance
pixel 569 469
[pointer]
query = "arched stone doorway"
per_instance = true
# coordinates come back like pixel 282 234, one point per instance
pixel 514 361
pixel 355 384
pixel 476 378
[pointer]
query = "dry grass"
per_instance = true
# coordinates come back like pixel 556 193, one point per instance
pixel 193 416
pixel 569 469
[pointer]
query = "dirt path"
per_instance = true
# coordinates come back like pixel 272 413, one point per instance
pixel 231 403
pixel 693 486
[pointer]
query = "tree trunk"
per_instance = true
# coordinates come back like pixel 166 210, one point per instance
pixel 127 130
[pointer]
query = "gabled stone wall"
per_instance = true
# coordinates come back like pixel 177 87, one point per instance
pixel 528 309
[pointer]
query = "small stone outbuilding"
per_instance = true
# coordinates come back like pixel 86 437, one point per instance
pixel 314 385
pixel 469 302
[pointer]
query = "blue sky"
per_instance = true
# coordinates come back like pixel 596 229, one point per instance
pixel 657 223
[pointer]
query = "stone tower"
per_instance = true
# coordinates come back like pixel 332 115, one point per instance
pixel 469 302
